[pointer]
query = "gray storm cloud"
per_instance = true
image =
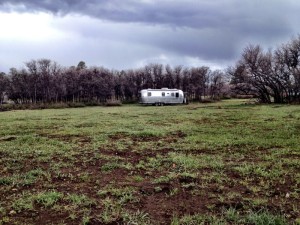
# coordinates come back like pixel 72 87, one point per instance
pixel 188 13
pixel 210 30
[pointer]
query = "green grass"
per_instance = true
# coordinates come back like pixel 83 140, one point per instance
pixel 231 162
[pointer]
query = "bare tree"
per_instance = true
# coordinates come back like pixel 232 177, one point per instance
pixel 199 78
pixel 19 90
pixel 217 83
pixel 287 69
pixel 147 73
pixel 70 79
pixel 157 71
pixel 4 83
pixel 258 69
pixel 169 78
pixel 239 80
pixel 274 77
pixel 32 68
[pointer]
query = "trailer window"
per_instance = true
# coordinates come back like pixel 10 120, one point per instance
pixel 149 93
pixel 177 95
pixel 163 94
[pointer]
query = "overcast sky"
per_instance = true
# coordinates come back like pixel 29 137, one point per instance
pixel 123 34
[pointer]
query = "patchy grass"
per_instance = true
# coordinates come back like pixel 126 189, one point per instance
pixel 230 162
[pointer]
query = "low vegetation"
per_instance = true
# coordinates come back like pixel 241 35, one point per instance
pixel 230 162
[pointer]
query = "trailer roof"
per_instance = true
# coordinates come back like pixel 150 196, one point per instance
pixel 163 89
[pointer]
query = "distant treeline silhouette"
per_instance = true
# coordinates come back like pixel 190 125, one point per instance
pixel 270 76
pixel 44 81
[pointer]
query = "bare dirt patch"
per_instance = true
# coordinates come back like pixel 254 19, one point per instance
pixel 172 137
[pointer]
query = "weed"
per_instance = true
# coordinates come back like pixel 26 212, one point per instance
pixel 197 219
pixel 85 220
pixel 137 217
pixel 107 167
pixel 112 210
pixel 162 179
pixel 24 202
pixel 251 169
pixel 189 185
pixel 79 200
pixel 189 162
pixel 265 218
pixel 6 181
pixel 64 176
pixel 26 179
pixel 232 215
pixel 138 178
pixel 122 195
pixel 4 220
pixel 48 199
pixel 84 177
pixel 2 210
pixel 173 192
pixel 110 166
pixel 258 201
pixel 31 177
pixel 157 189
pixel 187 177
pixel 73 215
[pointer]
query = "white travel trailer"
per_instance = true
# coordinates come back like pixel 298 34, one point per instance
pixel 162 96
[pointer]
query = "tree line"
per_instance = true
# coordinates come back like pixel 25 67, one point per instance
pixel 269 76
pixel 45 81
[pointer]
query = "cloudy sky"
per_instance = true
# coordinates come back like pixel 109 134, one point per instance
pixel 122 34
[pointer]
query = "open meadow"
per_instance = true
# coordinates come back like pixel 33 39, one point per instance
pixel 229 162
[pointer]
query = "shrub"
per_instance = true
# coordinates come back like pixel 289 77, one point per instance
pixel 208 100
pixel 113 103
pixel 76 104
pixel 244 96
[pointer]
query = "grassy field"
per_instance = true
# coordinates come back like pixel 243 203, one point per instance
pixel 221 163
